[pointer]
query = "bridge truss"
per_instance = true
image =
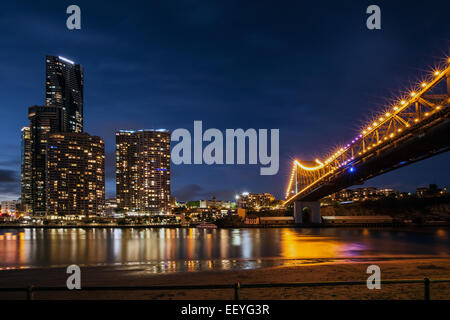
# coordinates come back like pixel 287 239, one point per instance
pixel 414 128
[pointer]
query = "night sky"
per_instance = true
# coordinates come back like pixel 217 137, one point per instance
pixel 311 69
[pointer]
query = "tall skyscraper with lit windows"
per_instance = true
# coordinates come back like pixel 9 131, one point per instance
pixel 143 171
pixel 64 88
pixel 26 170
pixel 43 121
pixel 63 112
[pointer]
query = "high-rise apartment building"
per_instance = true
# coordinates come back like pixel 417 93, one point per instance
pixel 43 120
pixel 75 174
pixel 64 88
pixel 143 171
pixel 63 112
pixel 127 170
pixel 26 170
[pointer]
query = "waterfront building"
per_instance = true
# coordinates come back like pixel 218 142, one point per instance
pixel 26 170
pixel 387 192
pixel 9 206
pixel 43 121
pixel 254 201
pixel 110 207
pixel 368 193
pixel 63 112
pixel 363 194
pixel 213 204
pixel 75 174
pixel 143 171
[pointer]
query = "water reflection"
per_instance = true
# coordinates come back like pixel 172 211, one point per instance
pixel 168 250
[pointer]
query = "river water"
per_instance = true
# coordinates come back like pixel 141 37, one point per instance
pixel 161 250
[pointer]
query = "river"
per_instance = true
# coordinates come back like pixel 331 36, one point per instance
pixel 162 250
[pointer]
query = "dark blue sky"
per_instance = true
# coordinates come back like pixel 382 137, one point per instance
pixel 311 69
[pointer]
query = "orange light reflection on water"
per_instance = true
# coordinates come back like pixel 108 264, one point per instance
pixel 297 246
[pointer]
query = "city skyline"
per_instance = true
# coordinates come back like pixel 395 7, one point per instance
pixel 121 94
pixel 211 153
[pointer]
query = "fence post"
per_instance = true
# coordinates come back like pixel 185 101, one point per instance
pixel 426 289
pixel 30 293
pixel 237 286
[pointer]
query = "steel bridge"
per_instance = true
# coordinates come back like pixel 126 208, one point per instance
pixel 415 128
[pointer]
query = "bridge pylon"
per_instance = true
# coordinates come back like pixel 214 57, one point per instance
pixel 306 212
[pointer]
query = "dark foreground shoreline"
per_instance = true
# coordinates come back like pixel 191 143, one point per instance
pixel 411 268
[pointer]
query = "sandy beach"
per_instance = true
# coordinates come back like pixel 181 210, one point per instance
pixel 433 268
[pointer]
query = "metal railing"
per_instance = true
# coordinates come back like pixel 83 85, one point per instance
pixel 236 286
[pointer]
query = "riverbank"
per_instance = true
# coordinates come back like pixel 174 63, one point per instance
pixel 237 226
pixel 412 268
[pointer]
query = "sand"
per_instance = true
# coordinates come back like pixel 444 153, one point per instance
pixel 433 268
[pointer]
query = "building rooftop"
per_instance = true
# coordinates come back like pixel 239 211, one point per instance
pixel 142 130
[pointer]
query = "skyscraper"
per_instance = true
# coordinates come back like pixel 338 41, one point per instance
pixel 64 88
pixel 63 112
pixel 43 120
pixel 75 177
pixel 26 170
pixel 143 170
pixel 126 170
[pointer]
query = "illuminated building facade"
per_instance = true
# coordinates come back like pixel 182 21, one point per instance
pixel 9 206
pixel 64 88
pixel 211 204
pixel 43 120
pixel 143 171
pixel 126 170
pixel 26 170
pixel 63 112
pixel 254 200
pixel 363 194
pixel 75 174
